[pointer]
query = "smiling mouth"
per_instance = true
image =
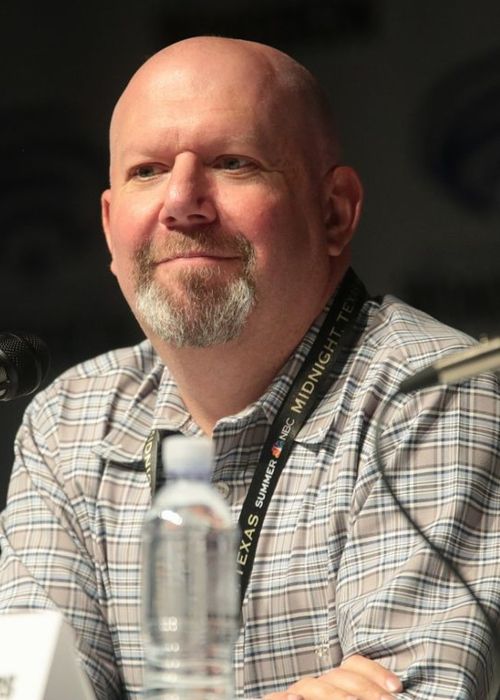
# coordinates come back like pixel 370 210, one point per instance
pixel 198 255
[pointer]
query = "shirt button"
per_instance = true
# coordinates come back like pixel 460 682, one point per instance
pixel 222 488
pixel 323 649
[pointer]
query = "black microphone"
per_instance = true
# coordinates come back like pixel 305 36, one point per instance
pixel 24 361
pixel 456 367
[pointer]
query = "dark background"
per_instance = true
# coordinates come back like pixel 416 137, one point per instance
pixel 416 87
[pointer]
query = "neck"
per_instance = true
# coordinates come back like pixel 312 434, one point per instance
pixel 221 380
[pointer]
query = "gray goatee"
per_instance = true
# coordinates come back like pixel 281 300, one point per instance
pixel 207 308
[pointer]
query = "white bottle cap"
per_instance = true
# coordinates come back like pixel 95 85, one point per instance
pixel 187 457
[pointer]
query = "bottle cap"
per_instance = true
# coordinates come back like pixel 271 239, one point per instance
pixel 187 457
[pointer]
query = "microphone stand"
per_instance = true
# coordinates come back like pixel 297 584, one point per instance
pixel 494 627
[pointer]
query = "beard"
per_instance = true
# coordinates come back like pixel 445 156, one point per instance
pixel 205 308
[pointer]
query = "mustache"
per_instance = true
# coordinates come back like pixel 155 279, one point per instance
pixel 210 241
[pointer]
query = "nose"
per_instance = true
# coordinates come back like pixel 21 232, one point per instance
pixel 187 201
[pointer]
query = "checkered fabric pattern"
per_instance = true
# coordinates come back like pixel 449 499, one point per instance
pixel 338 570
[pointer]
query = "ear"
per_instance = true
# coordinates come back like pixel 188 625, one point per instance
pixel 105 218
pixel 343 198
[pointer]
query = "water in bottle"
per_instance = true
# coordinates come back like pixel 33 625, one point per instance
pixel 190 611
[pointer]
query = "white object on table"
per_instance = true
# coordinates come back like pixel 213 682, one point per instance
pixel 38 659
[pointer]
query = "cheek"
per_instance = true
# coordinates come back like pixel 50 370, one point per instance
pixel 258 214
pixel 277 227
pixel 130 224
pixel 122 266
pixel 123 240
pixel 290 246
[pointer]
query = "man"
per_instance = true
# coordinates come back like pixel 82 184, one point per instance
pixel 229 221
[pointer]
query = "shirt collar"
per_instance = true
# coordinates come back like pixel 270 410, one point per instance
pixel 157 405
pixel 316 427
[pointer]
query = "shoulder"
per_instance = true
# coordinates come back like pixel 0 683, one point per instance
pixel 397 334
pixel 135 361
pixel 396 342
pixel 97 389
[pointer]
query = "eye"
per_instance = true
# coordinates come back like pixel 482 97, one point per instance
pixel 233 163
pixel 147 171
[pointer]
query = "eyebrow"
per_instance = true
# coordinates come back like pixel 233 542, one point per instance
pixel 236 145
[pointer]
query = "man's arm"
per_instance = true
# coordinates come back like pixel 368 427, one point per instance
pixel 46 560
pixel 397 602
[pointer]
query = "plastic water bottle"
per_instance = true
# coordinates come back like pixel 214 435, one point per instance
pixel 190 613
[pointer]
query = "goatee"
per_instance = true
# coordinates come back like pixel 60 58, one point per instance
pixel 205 308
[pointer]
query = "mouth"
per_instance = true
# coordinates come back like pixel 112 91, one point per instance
pixel 197 256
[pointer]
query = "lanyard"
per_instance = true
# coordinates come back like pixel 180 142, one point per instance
pixel 152 458
pixel 323 363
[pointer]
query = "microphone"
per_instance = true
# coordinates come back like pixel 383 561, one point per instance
pixel 456 367
pixel 24 361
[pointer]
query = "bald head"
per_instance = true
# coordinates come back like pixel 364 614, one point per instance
pixel 216 141
pixel 246 70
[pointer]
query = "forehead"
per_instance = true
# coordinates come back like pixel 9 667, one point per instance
pixel 180 105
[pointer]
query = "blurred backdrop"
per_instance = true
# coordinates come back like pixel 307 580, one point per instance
pixel 416 88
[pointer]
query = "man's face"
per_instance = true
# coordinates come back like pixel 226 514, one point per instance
pixel 214 213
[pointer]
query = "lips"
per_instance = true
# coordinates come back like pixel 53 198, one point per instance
pixel 198 254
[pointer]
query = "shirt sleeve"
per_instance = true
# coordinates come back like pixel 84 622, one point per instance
pixel 46 550
pixel 398 603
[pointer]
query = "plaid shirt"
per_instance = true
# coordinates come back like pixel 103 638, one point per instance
pixel 338 570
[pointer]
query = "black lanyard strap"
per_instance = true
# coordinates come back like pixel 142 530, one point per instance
pixel 152 458
pixel 322 365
